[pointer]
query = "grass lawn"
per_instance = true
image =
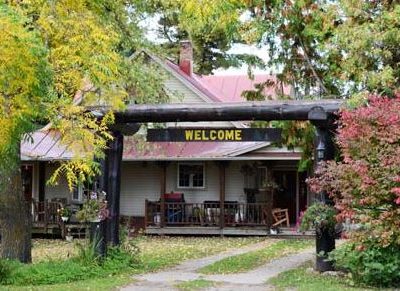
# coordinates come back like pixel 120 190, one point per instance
pixel 156 253
pixel 302 280
pixel 196 285
pixel 251 260
pixel 161 252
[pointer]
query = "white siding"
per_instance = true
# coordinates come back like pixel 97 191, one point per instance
pixel 234 183
pixel 139 181
pixel 180 93
pixel 58 191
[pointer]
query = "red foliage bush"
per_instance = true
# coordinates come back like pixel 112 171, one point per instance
pixel 365 185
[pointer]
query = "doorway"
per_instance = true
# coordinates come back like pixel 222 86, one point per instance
pixel 286 192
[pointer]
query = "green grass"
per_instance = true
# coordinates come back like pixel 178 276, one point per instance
pixel 302 280
pixel 195 284
pixel 254 259
pixel 162 252
pixel 54 267
pixel 100 284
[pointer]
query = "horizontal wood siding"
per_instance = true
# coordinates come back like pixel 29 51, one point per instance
pixel 234 182
pixel 180 93
pixel 139 181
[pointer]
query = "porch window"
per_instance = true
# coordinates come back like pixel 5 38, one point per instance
pixel 191 175
pixel 77 194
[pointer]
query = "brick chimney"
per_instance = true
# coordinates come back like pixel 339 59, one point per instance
pixel 186 57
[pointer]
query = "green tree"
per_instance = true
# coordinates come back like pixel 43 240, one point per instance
pixel 324 48
pixel 56 58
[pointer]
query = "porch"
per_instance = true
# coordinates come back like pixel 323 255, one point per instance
pixel 46 220
pixel 215 218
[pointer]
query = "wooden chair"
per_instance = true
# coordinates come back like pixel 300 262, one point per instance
pixel 280 216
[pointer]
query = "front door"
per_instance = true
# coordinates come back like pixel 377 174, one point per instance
pixel 285 193
pixel 27 181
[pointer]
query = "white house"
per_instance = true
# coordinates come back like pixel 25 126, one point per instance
pixel 245 179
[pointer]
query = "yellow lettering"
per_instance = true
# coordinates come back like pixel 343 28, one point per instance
pixel 238 134
pixel 197 135
pixel 221 135
pixel 204 136
pixel 213 134
pixel 189 134
pixel 229 134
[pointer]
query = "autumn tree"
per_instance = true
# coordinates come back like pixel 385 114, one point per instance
pixel 56 58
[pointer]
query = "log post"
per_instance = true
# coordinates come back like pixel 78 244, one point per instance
pixel 113 177
pixel 325 150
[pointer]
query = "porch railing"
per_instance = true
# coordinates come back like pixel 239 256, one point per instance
pixel 206 214
pixel 45 212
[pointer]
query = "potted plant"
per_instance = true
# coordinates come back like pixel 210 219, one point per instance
pixel 94 209
pixel 64 213
pixel 322 218
pixel 319 217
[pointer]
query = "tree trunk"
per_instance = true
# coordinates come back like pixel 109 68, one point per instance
pixel 15 213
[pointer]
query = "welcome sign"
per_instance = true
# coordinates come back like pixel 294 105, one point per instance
pixel 214 134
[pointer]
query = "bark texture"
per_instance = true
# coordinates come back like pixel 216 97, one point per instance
pixel 15 214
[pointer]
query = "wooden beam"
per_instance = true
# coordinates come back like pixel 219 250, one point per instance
pixel 265 110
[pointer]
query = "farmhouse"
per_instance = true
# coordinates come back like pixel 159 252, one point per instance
pixel 181 187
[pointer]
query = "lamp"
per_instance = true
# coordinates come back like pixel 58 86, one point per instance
pixel 321 151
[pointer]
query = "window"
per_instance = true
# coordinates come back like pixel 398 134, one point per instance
pixel 77 194
pixel 191 175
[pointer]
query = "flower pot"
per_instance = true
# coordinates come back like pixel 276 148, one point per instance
pixel 64 218
pixel 95 220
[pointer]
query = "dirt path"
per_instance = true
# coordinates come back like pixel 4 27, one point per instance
pixel 254 279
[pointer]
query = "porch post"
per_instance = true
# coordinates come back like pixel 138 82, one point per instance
pixel 325 150
pixel 42 181
pixel 222 166
pixel 113 186
pixel 163 189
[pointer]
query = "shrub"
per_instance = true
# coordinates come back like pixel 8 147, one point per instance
pixel 370 264
pixel 365 184
pixel 5 271
pixel 86 265
pixel 318 216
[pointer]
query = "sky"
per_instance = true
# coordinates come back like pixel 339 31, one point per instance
pixel 151 26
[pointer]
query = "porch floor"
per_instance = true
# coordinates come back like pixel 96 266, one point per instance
pixel 228 231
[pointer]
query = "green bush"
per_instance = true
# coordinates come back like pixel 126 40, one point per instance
pixel 5 270
pixel 84 266
pixel 370 264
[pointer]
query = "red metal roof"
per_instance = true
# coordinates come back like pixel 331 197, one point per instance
pixel 46 147
pixel 229 88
